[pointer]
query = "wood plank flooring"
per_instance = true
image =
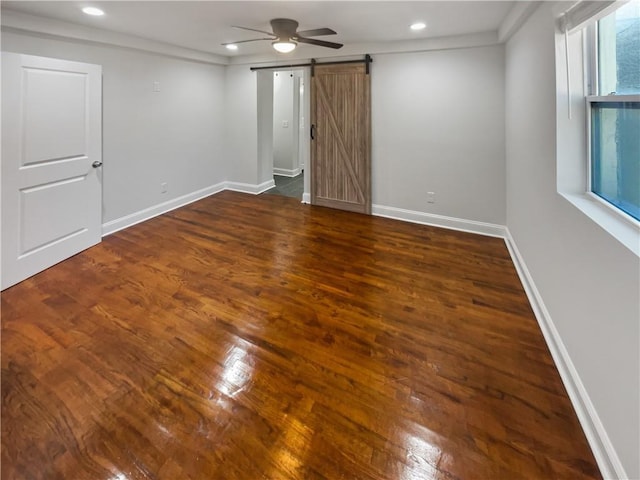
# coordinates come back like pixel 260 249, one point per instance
pixel 251 338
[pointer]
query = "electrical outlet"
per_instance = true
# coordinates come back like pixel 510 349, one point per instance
pixel 431 197
pixel 164 187
pixel 156 86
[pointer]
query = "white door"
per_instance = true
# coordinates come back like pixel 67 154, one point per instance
pixel 51 157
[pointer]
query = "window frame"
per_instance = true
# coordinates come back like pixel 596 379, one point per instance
pixel 572 76
pixel 591 74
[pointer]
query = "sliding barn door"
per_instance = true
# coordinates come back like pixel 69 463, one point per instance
pixel 51 158
pixel 341 137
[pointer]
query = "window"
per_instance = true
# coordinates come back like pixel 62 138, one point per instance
pixel 614 110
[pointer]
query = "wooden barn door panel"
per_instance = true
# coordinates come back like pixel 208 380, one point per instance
pixel 341 144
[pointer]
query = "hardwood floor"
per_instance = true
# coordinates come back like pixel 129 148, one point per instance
pixel 251 338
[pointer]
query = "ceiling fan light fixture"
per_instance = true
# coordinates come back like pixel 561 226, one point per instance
pixel 284 46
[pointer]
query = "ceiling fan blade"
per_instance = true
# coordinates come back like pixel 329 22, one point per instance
pixel 320 43
pixel 253 30
pixel 245 41
pixel 316 33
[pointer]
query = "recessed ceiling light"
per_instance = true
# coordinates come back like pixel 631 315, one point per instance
pixel 418 26
pixel 93 11
pixel 232 46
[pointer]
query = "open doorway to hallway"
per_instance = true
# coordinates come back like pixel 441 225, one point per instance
pixel 290 142
pixel 288 186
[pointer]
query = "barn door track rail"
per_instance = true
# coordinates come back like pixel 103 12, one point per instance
pixel 313 63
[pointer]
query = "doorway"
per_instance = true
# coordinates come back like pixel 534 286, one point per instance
pixel 291 150
pixel 336 136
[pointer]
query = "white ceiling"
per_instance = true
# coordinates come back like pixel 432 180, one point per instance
pixel 204 25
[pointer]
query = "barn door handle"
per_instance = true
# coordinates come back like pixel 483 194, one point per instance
pixel 96 164
pixel 313 132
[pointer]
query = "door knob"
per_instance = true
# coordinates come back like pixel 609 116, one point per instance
pixel 96 164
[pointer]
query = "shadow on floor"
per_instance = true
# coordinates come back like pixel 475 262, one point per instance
pixel 287 186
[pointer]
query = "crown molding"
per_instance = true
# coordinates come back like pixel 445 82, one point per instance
pixel 517 15
pixel 13 21
pixel 406 46
pixel 19 22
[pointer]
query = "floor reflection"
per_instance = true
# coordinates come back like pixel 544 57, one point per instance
pixel 236 374
pixel 422 458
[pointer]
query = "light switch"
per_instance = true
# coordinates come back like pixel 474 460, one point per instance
pixel 285 124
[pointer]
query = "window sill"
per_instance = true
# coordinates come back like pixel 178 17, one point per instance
pixel 623 230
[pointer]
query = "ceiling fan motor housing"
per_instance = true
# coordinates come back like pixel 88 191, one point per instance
pixel 284 28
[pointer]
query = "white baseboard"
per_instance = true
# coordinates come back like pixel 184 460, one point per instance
pixel 283 172
pixel 148 213
pixel 452 223
pixel 610 465
pixel 249 187
pixel 306 198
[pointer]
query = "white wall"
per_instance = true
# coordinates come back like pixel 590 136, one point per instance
pixel 264 114
pixel 285 139
pixel 438 126
pixel 174 136
pixel 589 282
pixel 241 128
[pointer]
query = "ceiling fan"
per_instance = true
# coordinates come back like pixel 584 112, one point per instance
pixel 285 36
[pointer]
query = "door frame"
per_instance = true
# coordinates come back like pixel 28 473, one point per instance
pixel 264 81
